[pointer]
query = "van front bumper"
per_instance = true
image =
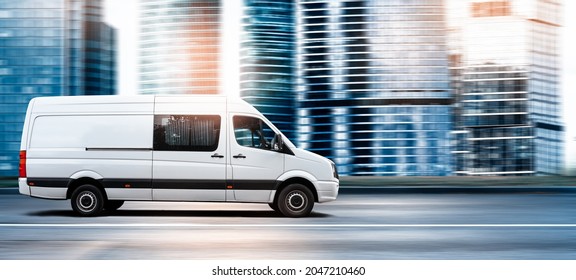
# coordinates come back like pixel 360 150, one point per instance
pixel 327 190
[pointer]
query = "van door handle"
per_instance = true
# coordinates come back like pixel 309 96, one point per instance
pixel 216 155
pixel 239 156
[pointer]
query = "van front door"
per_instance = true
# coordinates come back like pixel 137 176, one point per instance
pixel 255 165
pixel 188 159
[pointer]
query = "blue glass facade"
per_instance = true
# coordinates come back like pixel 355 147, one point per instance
pixel 374 87
pixel 268 53
pixel 43 46
pixel 509 98
pixel 99 52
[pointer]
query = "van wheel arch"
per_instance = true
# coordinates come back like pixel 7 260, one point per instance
pixel 296 180
pixel 76 183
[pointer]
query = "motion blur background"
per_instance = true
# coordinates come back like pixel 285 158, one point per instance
pixel 383 88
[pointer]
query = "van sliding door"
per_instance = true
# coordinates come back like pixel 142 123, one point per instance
pixel 189 158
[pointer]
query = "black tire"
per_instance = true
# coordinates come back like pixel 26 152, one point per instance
pixel 295 201
pixel 113 205
pixel 87 201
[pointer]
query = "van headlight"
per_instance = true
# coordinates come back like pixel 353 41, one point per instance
pixel 334 170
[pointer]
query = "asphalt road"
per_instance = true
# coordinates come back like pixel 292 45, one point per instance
pixel 382 226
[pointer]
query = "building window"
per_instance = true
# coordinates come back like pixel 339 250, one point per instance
pixel 491 9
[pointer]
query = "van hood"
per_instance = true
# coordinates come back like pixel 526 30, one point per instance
pixel 317 165
pixel 306 155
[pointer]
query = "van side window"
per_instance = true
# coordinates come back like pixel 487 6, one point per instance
pixel 252 132
pixel 186 133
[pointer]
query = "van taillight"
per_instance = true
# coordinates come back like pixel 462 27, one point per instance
pixel 22 166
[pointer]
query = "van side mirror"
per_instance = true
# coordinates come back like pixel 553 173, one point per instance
pixel 278 143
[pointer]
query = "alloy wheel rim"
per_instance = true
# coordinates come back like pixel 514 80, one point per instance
pixel 86 201
pixel 296 201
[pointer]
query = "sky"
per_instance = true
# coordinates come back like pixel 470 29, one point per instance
pixel 123 15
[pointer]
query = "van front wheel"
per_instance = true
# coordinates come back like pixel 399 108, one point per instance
pixel 87 201
pixel 295 200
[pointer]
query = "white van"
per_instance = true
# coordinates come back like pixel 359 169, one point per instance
pixel 100 151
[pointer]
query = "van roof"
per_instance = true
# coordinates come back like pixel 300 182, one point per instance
pixel 130 99
pixel 139 103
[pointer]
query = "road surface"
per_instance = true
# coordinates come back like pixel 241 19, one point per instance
pixel 380 226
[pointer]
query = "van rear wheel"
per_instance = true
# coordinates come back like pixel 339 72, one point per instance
pixel 295 200
pixel 87 201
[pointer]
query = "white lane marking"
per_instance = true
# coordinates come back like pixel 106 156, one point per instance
pixel 292 225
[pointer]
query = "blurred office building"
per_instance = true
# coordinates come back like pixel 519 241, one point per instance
pixel 186 48
pixel 374 85
pixel 49 48
pixel 180 46
pixel 268 60
pixel 508 92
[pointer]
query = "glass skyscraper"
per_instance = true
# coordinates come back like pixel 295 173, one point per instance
pixel 184 51
pixel 509 97
pixel 268 53
pixel 374 87
pixel 49 48
pixel 99 50
pixel 180 46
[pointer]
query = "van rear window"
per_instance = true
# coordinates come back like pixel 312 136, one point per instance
pixel 198 133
